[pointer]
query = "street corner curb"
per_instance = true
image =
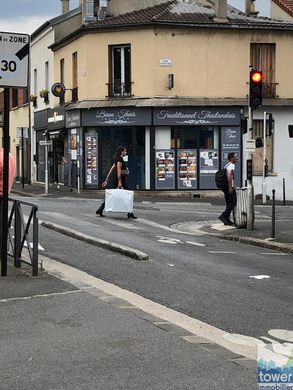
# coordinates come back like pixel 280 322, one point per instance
pixel 279 246
pixel 112 246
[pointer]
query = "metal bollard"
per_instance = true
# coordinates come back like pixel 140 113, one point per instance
pixel 284 194
pixel 273 233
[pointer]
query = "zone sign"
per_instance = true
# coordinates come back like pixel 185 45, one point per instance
pixel 14 59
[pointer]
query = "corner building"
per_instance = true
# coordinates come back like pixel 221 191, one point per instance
pixel 169 82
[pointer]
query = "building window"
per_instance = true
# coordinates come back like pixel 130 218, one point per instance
pixel 257 132
pixel 263 57
pixel 120 71
pixel 62 69
pixel 74 78
pixel 14 98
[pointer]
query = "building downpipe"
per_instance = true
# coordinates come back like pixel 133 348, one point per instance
pixel 221 11
pixel 88 11
pixel 250 8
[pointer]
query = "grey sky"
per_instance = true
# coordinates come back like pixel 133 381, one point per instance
pixel 24 16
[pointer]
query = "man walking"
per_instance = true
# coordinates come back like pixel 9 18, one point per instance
pixel 229 190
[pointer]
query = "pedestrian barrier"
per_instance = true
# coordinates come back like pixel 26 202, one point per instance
pixel 240 211
pixel 20 235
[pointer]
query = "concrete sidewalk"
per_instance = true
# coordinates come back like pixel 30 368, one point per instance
pixel 59 335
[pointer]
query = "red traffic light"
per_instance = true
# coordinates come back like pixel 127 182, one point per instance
pixel 256 77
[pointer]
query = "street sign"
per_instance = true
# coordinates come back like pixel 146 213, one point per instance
pixel 250 145
pixel 14 59
pixel 22 132
pixel 45 143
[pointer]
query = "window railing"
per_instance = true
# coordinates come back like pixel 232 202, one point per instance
pixel 119 89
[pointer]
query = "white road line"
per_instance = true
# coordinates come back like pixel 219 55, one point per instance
pixel 225 252
pixel 194 243
pixel 40 296
pixel 171 265
pixel 260 277
pixel 274 253
pixel 40 248
pixel 194 326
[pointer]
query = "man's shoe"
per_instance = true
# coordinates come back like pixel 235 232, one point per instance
pixel 99 213
pixel 229 222
pixel 131 215
pixel 224 220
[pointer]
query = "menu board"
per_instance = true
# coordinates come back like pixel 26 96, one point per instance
pixel 91 158
pixel 165 169
pixel 187 169
pixel 209 165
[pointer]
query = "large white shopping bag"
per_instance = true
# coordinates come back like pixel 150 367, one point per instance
pixel 119 201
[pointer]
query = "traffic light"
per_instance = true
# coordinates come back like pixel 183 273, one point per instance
pixel 271 125
pixel 255 89
pixel 249 169
pixel 266 170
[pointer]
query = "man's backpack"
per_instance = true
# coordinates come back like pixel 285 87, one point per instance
pixel 221 178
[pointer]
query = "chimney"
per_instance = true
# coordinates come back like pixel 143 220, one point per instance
pixel 250 8
pixel 102 9
pixel 64 6
pixel 221 11
pixel 88 11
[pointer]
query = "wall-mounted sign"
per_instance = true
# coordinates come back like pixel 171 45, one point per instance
pixel 165 62
pixel 250 145
pixel 58 89
pixel 231 142
pixel 14 57
pixel 189 116
pixel 56 118
pixel 72 118
pixel 165 169
pixel 186 169
pixel 209 165
pixel 129 116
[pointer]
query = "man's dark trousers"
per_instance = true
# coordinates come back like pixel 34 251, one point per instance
pixel 231 201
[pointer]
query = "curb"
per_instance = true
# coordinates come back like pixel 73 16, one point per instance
pixel 112 246
pixel 256 242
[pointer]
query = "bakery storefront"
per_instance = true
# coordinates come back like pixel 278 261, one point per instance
pixel 178 148
pixel 192 143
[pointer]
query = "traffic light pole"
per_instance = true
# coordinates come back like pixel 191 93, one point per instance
pixel 250 200
pixel 264 184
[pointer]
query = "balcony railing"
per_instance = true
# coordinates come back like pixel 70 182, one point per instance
pixel 119 89
pixel 269 90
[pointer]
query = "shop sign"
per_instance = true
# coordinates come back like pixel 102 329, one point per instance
pixel 72 118
pixel 117 117
pixel 231 142
pixel 190 116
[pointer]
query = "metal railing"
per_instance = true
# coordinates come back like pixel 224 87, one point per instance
pixel 20 235
pixel 119 89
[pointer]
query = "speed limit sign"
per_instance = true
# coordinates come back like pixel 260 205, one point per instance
pixel 14 59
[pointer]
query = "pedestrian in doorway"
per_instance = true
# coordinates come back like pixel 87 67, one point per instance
pixel 11 175
pixel 229 190
pixel 116 177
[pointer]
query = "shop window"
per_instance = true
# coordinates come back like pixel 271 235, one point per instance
pixel 263 57
pixel 119 71
pixel 257 132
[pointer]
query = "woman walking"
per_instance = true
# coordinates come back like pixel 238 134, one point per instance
pixel 118 174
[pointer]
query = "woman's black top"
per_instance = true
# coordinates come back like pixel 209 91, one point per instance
pixel 115 173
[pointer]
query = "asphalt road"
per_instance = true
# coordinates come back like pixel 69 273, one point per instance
pixel 206 278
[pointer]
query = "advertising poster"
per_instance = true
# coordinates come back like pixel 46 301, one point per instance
pixel 91 158
pixel 231 142
pixel 209 165
pixel 187 169
pixel 165 169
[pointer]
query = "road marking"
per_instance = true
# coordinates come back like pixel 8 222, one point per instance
pixel 171 265
pixel 274 253
pixel 162 227
pixel 225 252
pixel 260 277
pixel 194 243
pixel 168 240
pixel 40 248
